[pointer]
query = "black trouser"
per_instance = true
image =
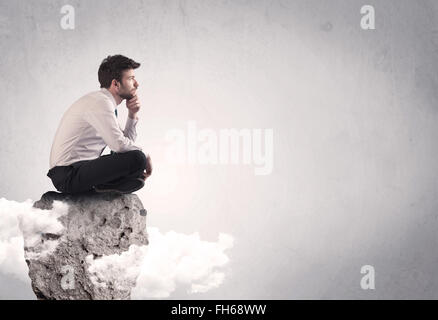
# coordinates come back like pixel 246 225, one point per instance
pixel 81 176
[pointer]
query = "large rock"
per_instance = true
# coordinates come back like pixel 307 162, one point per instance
pixel 94 226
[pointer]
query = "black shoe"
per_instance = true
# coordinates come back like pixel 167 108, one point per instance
pixel 126 186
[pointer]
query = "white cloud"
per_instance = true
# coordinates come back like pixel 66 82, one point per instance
pixel 120 270
pixel 170 260
pixel 175 258
pixel 21 225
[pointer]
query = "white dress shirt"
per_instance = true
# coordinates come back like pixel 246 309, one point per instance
pixel 87 127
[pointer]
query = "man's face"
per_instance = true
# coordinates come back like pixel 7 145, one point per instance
pixel 129 85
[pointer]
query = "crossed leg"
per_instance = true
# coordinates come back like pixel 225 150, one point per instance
pixel 107 169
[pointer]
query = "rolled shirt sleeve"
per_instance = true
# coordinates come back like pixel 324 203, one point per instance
pixel 101 116
pixel 130 129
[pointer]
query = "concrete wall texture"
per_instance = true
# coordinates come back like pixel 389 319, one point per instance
pixel 353 111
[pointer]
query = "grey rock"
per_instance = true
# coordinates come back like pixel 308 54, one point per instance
pixel 96 225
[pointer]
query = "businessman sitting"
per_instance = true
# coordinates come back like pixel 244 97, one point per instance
pixel 89 125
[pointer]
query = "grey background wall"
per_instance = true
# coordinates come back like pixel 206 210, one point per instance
pixel 354 115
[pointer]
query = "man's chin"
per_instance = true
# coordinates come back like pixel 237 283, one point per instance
pixel 126 96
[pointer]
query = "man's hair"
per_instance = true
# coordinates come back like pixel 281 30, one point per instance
pixel 112 67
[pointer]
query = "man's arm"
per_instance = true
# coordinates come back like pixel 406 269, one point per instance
pixel 134 106
pixel 130 130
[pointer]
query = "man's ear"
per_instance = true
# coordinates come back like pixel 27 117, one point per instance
pixel 115 84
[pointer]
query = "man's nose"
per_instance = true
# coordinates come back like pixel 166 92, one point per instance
pixel 136 84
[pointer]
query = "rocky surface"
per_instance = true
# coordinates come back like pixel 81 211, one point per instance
pixel 94 226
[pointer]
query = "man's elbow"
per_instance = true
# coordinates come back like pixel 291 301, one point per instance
pixel 120 148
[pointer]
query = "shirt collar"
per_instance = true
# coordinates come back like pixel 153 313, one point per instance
pixel 110 95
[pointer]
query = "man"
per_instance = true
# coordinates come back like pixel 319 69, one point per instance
pixel 89 125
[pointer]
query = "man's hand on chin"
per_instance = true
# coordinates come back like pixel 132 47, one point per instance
pixel 133 106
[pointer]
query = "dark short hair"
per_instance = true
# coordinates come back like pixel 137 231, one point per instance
pixel 112 67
